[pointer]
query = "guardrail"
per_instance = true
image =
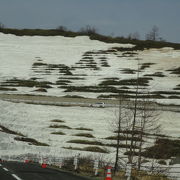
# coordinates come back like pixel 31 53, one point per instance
pixel 94 167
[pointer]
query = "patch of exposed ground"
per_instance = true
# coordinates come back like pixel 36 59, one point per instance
pixel 156 74
pixel 7 89
pixel 162 149
pixel 8 131
pixel 27 83
pixel 145 66
pixel 21 137
pixel 177 87
pixel 88 148
pixel 30 141
pixel 175 71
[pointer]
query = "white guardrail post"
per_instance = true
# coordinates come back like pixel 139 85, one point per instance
pixel 96 165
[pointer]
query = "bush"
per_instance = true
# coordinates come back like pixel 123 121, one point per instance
pixel 92 32
pixel 88 148
pixel 58 133
pixel 31 141
pixel 84 135
pixel 6 130
pixel 57 120
pixel 85 129
pixel 59 126
pixel 163 162
pixel 78 141
pixel 163 149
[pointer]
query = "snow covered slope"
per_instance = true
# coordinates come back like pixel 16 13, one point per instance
pixel 60 66
pixel 84 67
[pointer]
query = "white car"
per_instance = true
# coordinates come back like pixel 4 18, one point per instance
pixel 99 104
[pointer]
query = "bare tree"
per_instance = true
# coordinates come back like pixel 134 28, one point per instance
pixel 121 126
pixel 62 28
pixel 134 36
pixel 148 124
pixel 88 30
pixel 153 35
pixel 2 26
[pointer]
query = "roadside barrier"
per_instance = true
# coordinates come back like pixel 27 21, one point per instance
pixel 94 166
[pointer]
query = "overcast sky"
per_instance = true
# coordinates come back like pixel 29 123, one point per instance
pixel 118 17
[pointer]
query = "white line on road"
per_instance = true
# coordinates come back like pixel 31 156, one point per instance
pixel 5 169
pixel 16 177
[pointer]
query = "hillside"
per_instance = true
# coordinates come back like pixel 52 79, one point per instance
pixel 59 66
pixel 81 66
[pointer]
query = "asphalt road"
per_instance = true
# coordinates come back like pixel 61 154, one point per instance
pixel 28 171
pixel 64 101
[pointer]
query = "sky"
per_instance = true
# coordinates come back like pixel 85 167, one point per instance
pixel 109 17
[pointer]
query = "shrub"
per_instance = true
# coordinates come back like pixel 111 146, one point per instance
pixel 82 128
pixel 57 120
pixel 123 138
pixel 84 135
pixel 78 141
pixel 163 149
pixel 92 32
pixel 31 141
pixel 59 126
pixel 95 149
pixel 6 130
pixel 163 162
pixel 58 133
pixel 89 148
pixel 7 89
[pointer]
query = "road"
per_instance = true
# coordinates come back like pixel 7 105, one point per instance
pixel 29 171
pixel 65 101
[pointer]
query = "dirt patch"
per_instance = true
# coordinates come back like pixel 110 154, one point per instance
pixel 30 141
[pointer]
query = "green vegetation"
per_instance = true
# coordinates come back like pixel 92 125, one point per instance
pixel 175 71
pixel 140 44
pixel 58 133
pixel 84 135
pixel 73 96
pixel 57 120
pixel 87 62
pixel 156 74
pixel 63 82
pixel 177 87
pixel 6 130
pixel 78 141
pixel 59 126
pixel 72 78
pixel 89 148
pixel 146 65
pixel 142 81
pixel 39 64
pixel 31 141
pixel 84 129
pixel 156 96
pixel 48 68
pixel 97 89
pixel 41 90
pixel 7 89
pixel 122 138
pixel 122 146
pixel 27 83
pixel 162 162
pixel 163 149
pixel 128 71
